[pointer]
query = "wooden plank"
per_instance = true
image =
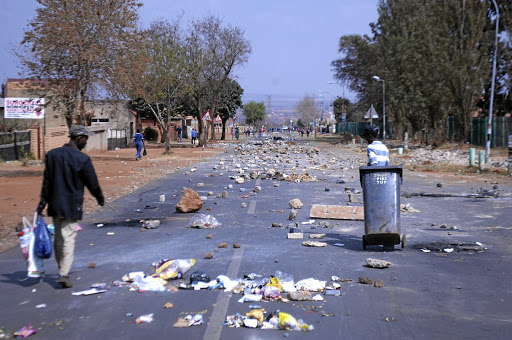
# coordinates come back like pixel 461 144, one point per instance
pixel 337 212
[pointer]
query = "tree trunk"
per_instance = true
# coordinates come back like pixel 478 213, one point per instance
pixel 223 135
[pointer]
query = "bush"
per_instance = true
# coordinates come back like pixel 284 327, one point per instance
pixel 150 134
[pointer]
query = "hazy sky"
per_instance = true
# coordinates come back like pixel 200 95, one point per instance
pixel 293 41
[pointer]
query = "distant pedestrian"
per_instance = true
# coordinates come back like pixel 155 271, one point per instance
pixel 193 134
pixel 178 129
pixel 232 133
pixel 67 170
pixel 302 133
pixel 378 154
pixel 307 132
pixel 138 138
pixel 237 133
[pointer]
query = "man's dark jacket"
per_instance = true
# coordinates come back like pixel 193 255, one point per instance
pixel 66 173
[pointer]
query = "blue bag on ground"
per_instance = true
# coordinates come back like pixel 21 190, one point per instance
pixel 43 239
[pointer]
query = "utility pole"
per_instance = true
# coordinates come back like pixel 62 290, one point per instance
pixel 489 121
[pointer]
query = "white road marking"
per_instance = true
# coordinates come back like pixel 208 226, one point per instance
pixel 252 207
pixel 221 305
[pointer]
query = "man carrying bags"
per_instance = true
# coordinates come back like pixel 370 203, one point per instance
pixel 67 171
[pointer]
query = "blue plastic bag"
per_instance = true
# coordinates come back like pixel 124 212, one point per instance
pixel 43 239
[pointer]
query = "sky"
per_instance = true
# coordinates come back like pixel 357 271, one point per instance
pixel 293 41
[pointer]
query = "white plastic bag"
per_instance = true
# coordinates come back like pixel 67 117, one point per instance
pixel 147 283
pixel 203 221
pixel 35 266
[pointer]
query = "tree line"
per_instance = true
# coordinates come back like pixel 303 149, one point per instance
pixel 78 50
pixel 435 57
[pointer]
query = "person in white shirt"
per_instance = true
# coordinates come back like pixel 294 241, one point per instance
pixel 378 153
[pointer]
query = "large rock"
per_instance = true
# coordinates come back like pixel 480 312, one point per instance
pixel 295 203
pixel 189 202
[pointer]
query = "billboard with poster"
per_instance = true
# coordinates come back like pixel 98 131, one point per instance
pixel 24 108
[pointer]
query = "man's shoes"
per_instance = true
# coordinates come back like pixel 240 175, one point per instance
pixel 64 281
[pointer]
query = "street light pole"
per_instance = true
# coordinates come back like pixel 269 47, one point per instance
pixel 489 121
pixel 383 106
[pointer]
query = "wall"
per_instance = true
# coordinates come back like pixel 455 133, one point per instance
pixel 58 136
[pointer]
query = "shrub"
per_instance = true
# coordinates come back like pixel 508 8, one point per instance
pixel 150 134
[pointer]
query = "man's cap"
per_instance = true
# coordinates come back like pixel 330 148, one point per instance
pixel 79 130
pixel 370 130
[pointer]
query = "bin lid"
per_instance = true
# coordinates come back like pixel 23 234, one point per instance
pixel 387 168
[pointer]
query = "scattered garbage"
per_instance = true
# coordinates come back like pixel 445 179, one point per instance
pixel 174 268
pixel 148 318
pixel 25 332
pixel 147 283
pixel 89 292
pixel 202 221
pixel 277 320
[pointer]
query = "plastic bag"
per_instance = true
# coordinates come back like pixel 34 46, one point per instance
pixel 174 269
pixel 203 221
pixel 35 266
pixel 286 280
pixel 288 322
pixel 147 283
pixel 144 153
pixel 271 292
pixel 274 282
pixel 43 239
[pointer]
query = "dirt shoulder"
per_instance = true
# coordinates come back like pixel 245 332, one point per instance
pixel 118 172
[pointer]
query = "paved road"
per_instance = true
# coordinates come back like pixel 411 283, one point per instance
pixel 426 295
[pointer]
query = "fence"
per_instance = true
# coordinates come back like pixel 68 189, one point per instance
pixel 501 126
pixel 116 139
pixel 14 145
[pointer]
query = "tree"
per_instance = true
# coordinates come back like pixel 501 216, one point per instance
pixel 75 46
pixel 308 110
pixel 254 112
pixel 230 99
pixel 213 52
pixel 160 81
pixel 340 106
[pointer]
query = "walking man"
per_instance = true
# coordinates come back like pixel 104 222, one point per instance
pixel 378 153
pixel 180 141
pixel 139 143
pixel 67 170
pixel 193 134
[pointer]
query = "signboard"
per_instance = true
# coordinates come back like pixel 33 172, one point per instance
pixel 207 116
pixel 217 119
pixel 371 113
pixel 24 108
pixel 344 117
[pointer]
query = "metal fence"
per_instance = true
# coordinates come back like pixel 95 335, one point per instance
pixel 14 145
pixel 116 139
pixel 501 127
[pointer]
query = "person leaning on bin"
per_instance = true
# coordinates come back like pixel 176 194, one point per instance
pixel 378 154
pixel 67 170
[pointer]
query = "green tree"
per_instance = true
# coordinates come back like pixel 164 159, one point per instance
pixel 343 105
pixel 254 112
pixel 230 99
pixel 159 83
pixel 75 47
pixel 214 50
